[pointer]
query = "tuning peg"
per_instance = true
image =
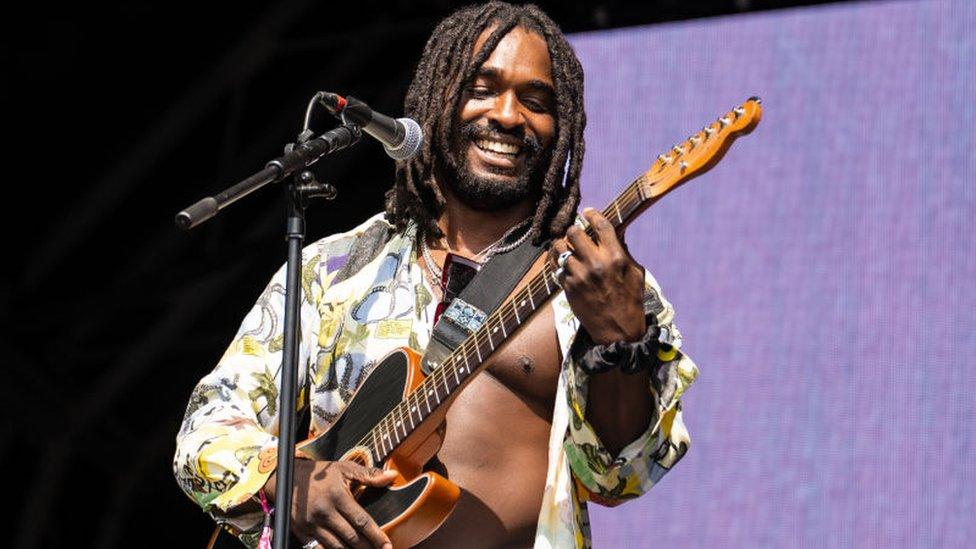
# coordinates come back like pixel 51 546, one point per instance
pixel 664 158
pixel 683 165
pixel 739 111
pixel 708 131
pixel 678 150
pixel 724 121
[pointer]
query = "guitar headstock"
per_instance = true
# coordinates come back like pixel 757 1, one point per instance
pixel 700 152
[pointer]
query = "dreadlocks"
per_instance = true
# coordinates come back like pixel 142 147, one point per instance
pixel 434 96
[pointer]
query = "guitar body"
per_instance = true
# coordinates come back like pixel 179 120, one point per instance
pixel 417 502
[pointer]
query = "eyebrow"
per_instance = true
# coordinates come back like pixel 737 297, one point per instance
pixel 494 74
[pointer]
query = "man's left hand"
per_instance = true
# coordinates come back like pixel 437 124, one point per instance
pixel 603 283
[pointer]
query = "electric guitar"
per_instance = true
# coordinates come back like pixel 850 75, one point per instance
pixel 394 419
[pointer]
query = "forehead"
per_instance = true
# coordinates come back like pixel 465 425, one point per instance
pixel 520 55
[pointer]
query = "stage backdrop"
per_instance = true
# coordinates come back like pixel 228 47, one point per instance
pixel 823 273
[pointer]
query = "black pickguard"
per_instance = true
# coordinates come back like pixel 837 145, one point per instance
pixel 380 392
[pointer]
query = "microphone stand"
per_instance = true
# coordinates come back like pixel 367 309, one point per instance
pixel 299 191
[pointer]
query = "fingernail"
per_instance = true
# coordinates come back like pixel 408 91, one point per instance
pixel 588 209
pixel 387 545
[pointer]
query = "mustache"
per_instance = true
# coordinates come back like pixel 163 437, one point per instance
pixel 528 143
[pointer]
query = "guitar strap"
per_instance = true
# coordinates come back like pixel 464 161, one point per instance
pixel 484 293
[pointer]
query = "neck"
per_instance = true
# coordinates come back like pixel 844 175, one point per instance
pixel 469 231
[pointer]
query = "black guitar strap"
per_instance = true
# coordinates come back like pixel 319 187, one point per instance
pixel 486 291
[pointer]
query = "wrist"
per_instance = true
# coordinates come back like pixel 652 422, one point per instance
pixel 620 335
pixel 653 347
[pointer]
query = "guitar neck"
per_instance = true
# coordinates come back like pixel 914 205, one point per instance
pixel 683 162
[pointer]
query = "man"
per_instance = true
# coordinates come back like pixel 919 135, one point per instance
pixel 498 92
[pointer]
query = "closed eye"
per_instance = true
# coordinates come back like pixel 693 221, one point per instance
pixel 480 92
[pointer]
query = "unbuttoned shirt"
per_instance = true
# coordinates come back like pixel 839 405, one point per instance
pixel 363 295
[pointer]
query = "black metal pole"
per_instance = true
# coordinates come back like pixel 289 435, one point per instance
pixel 302 188
pixel 295 234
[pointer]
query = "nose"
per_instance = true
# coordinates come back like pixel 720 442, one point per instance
pixel 505 111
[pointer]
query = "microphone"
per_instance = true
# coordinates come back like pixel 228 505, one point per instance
pixel 401 137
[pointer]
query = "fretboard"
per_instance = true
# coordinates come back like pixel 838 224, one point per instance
pixel 678 165
pixel 468 358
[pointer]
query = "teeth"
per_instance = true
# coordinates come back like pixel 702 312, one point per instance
pixel 495 146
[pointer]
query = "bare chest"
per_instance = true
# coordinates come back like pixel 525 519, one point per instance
pixel 495 444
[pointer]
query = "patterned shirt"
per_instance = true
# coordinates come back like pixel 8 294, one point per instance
pixel 363 295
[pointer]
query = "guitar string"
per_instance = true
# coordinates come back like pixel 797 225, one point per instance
pixel 501 318
pixel 508 310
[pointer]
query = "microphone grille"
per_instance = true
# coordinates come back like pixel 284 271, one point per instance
pixel 413 138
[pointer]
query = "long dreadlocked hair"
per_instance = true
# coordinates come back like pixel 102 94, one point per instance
pixel 433 99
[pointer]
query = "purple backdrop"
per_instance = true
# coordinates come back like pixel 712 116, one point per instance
pixel 823 272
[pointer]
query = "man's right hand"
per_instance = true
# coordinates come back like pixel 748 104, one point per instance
pixel 324 509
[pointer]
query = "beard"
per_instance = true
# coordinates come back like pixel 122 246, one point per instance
pixel 493 194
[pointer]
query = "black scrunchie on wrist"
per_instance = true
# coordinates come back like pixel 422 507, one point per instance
pixel 631 357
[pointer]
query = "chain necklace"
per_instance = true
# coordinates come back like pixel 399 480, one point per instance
pixel 435 274
pixel 489 252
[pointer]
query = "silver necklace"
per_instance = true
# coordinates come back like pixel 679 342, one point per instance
pixel 435 272
pixel 489 252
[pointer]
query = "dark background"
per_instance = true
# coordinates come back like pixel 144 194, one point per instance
pixel 117 116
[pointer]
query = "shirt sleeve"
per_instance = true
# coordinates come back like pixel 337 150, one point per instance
pixel 227 445
pixel 611 480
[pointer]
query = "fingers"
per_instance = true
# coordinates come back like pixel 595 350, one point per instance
pixel 338 525
pixel 604 233
pixel 333 517
pixel 363 528
pixel 326 539
pixel 571 263
pixel 368 476
pixel 602 227
pixel 582 245
pixel 366 528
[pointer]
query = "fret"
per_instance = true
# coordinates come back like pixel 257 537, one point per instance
pixel 639 194
pixel 372 446
pixel 440 381
pixel 437 390
pixel 421 415
pixel 385 433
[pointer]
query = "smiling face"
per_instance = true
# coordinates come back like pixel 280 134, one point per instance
pixel 506 123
